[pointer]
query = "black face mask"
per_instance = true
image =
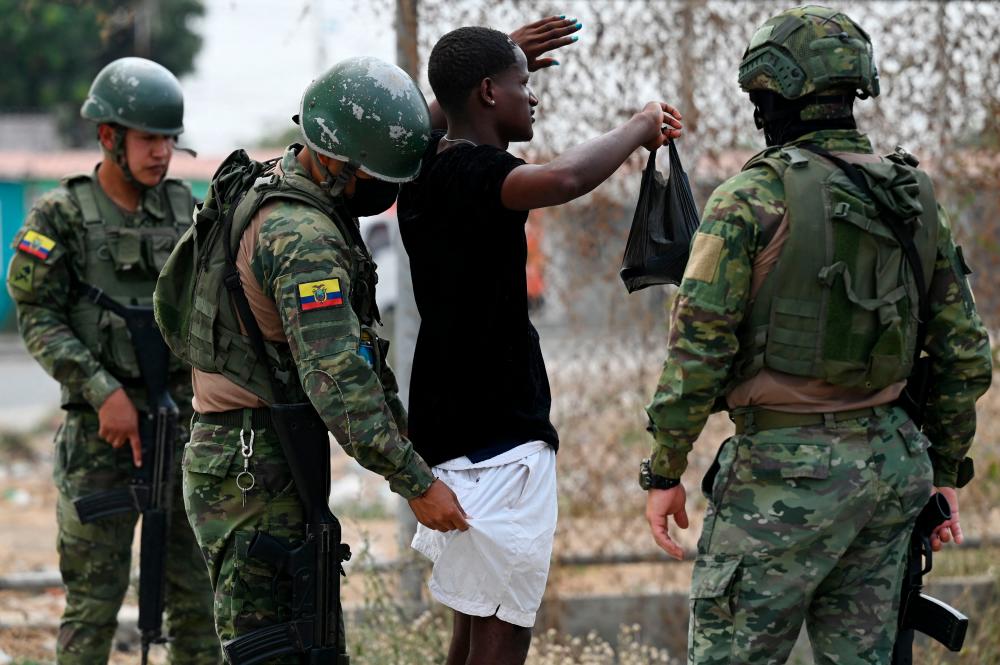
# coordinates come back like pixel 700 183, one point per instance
pixel 371 197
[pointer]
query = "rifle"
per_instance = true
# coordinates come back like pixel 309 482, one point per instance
pixel 150 491
pixel 917 610
pixel 315 566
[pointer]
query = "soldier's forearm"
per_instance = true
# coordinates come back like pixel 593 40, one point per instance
pixel 350 399
pixel 63 356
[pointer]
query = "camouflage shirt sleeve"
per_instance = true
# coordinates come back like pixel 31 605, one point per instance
pixel 39 287
pixel 706 313
pixel 300 251
pixel 391 388
pixel 961 365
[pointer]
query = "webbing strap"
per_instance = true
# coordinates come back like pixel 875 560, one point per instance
pixel 82 190
pixel 234 285
pixel 903 236
pixel 181 203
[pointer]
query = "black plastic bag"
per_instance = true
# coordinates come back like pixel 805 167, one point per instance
pixel 665 220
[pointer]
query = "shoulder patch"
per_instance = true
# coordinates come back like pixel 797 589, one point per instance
pixel 703 264
pixel 23 276
pixel 36 244
pixel 320 294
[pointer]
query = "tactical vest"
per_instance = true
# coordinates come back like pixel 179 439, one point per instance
pixel 214 340
pixel 123 262
pixel 841 303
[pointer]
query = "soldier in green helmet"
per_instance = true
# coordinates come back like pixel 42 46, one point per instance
pixel 112 229
pixel 818 277
pixel 309 285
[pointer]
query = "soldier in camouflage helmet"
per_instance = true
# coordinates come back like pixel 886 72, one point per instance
pixel 800 312
pixel 112 228
pixel 309 281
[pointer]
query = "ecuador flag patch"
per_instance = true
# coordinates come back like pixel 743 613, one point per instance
pixel 36 244
pixel 320 294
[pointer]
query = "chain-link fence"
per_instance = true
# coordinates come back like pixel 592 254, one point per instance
pixel 940 78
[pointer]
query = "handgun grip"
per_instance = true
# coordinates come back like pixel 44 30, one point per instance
pixel 268 549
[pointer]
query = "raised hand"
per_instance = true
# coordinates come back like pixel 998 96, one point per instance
pixel 542 36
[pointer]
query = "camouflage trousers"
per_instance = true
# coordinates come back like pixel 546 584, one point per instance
pixel 249 594
pixel 808 524
pixel 95 558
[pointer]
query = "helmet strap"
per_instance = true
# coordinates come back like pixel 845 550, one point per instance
pixel 335 184
pixel 121 158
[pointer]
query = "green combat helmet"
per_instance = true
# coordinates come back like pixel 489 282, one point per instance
pixel 809 50
pixel 135 93
pixel 139 94
pixel 369 114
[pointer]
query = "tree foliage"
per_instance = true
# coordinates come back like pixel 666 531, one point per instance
pixel 51 51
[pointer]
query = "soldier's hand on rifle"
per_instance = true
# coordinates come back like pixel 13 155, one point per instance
pixel 660 505
pixel 542 36
pixel 949 529
pixel 438 508
pixel 119 424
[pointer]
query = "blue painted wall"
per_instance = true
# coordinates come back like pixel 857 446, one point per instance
pixel 16 198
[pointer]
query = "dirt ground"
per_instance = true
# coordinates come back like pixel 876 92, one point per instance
pixel 29 619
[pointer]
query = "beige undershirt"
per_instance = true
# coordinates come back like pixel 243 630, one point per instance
pixel 796 394
pixel 214 392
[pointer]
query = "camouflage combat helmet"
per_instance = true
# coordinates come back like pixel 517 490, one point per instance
pixel 807 50
pixel 370 114
pixel 136 93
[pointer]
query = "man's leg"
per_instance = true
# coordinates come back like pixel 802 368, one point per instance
pixel 458 650
pixel 189 591
pixel 496 642
pixel 785 506
pixel 852 618
pixel 94 560
pixel 248 592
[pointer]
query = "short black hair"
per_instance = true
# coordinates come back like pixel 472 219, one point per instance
pixel 463 58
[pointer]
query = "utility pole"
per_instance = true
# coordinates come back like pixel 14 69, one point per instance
pixel 407 321
pixel 145 13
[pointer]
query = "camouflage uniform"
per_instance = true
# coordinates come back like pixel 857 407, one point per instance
pixel 297 245
pixel 51 259
pixel 805 523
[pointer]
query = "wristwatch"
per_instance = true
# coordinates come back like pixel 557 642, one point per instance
pixel 650 481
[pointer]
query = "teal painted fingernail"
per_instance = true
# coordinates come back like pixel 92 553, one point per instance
pixel 572 20
pixel 578 26
pixel 555 62
pixel 562 16
pixel 576 38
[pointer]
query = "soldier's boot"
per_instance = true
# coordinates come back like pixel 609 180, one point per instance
pixel 94 560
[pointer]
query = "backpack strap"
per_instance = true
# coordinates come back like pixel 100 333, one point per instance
pixel 180 201
pixel 81 188
pixel 234 285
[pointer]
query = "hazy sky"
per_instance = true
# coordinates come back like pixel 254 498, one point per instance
pixel 259 55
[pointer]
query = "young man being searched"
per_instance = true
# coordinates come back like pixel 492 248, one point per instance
pixel 479 400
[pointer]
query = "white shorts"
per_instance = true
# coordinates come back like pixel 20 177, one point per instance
pixel 500 565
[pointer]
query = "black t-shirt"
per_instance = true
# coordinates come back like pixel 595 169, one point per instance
pixel 478 385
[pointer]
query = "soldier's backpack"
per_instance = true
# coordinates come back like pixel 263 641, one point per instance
pixel 197 298
pixel 842 302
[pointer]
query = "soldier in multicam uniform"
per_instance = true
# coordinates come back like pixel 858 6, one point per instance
pixel 799 310
pixel 113 229
pixel 310 282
